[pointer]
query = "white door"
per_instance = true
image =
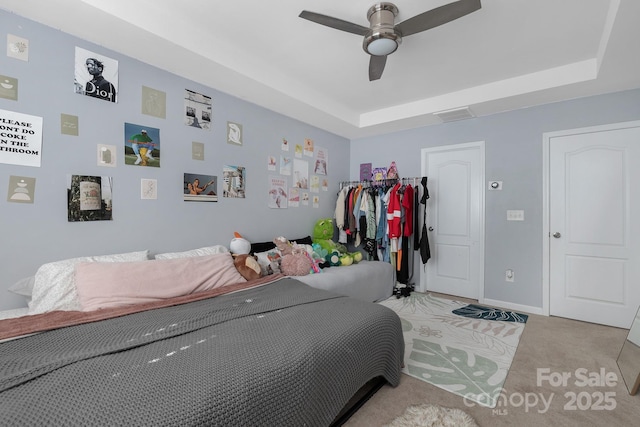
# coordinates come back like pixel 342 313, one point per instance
pixel 594 225
pixel 455 217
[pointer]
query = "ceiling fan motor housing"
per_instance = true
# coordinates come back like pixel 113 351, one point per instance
pixel 382 39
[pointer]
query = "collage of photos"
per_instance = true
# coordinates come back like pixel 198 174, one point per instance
pixel 299 170
pixel 307 169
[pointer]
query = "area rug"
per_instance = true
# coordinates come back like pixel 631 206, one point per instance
pixel 465 349
pixel 433 416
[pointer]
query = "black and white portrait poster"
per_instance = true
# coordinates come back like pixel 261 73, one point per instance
pixel 197 110
pixel 96 75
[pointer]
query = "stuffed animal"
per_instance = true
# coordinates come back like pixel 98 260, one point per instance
pixel 239 245
pixel 247 266
pixel 297 262
pixel 283 245
pixel 333 258
pixel 346 259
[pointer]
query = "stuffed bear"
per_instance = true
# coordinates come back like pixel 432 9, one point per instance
pixel 247 266
pixel 283 245
pixel 297 262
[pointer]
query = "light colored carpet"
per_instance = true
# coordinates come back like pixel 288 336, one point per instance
pixel 433 416
pixel 550 343
pixel 468 356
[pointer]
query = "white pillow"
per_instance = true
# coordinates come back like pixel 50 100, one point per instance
pixel 54 287
pixel 209 250
pixel 24 286
pixel 265 258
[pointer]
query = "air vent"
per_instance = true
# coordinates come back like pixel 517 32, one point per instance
pixel 454 114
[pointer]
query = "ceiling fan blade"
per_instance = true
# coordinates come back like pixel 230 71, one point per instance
pixel 438 16
pixel 376 67
pixel 336 23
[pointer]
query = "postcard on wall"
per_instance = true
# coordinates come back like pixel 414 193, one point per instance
pixel 89 198
pixel 8 88
pixel 322 161
pixel 285 145
pixel 278 192
pixel 234 178
pixel 17 47
pixel 305 198
pixel 69 125
pixel 200 188
pixel 154 102
pixel 298 151
pixel 21 139
pixel 148 189
pixel 197 110
pixel 365 171
pixel 294 197
pixel 315 184
pixel 107 155
pixel 141 145
pixel 197 150
pixel 325 184
pixel 379 174
pixel 316 201
pixel 21 189
pixel 300 173
pixel 285 165
pixel 308 147
pixel 271 163
pixel 96 75
pixel 234 133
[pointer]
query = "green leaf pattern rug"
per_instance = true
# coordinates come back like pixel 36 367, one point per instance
pixel 466 355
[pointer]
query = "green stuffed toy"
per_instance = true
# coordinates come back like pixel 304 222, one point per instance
pixel 323 233
pixel 334 253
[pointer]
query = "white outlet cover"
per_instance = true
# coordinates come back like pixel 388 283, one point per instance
pixel 515 215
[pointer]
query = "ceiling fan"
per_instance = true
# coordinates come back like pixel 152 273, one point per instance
pixel 382 37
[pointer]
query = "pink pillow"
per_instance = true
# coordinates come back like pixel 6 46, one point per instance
pixel 113 284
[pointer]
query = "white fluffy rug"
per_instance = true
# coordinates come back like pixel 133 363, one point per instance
pixel 433 416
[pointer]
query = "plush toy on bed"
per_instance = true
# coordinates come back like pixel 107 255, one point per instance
pixel 295 259
pixel 239 245
pixel 336 253
pixel 247 266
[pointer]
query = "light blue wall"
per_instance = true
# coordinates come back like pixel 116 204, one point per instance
pixel 513 154
pixel 32 234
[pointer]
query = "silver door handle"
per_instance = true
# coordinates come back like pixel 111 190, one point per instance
pixel 557 234
pixel 430 228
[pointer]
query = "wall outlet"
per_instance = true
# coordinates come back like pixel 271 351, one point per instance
pixel 509 275
pixel 515 215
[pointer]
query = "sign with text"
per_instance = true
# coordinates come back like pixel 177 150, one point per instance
pixel 20 139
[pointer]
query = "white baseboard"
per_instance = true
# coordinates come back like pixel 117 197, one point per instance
pixel 512 306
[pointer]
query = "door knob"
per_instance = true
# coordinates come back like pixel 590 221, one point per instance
pixel 557 234
pixel 430 228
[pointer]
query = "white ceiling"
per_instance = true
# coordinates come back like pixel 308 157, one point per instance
pixel 510 54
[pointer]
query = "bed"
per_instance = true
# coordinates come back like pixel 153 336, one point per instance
pixel 371 281
pixel 272 351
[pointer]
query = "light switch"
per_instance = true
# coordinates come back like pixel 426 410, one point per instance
pixel 515 215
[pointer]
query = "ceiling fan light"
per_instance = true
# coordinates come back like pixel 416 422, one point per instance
pixel 381 46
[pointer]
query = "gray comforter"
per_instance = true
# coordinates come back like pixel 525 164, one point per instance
pixel 283 354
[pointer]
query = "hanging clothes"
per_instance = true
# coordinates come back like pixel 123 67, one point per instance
pixel 339 215
pixel 425 250
pixel 416 219
pixel 394 212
